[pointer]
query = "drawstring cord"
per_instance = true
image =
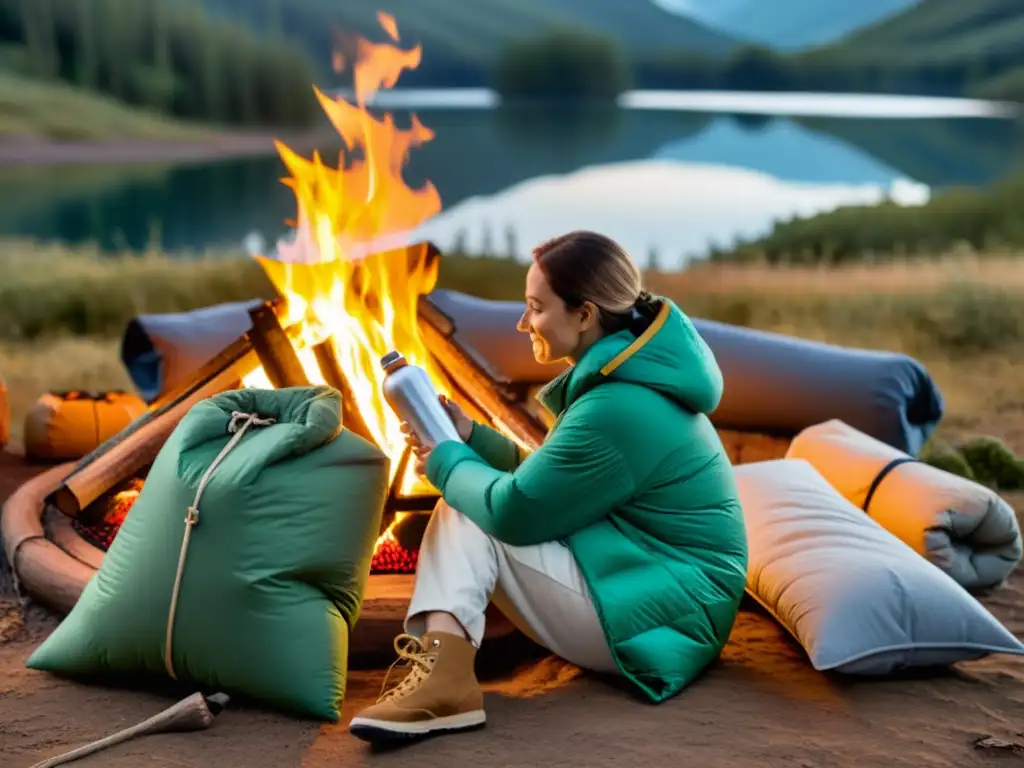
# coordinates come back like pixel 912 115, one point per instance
pixel 239 424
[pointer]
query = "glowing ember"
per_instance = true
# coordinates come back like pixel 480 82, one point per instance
pixel 392 557
pixel 102 535
pixel 332 285
pixel 122 504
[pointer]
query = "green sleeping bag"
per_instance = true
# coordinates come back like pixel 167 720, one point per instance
pixel 273 569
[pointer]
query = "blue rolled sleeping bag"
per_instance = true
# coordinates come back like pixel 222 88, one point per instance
pixel 160 351
pixel 773 383
pixel 780 384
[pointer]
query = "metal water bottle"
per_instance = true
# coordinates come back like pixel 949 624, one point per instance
pixel 412 396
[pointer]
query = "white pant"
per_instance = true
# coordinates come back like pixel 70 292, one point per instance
pixel 539 588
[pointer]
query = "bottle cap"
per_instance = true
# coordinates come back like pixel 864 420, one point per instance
pixel 392 360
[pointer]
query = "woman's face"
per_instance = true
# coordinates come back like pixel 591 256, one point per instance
pixel 557 332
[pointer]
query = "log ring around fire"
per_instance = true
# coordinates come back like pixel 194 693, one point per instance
pixel 52 564
pixel 42 570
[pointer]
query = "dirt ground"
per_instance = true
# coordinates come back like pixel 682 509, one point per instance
pixel 761 705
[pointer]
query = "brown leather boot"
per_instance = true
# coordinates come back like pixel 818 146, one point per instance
pixel 440 692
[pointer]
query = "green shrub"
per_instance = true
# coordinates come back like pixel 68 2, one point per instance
pixel 955 219
pixel 948 459
pixel 564 64
pixel 993 463
pixel 986 460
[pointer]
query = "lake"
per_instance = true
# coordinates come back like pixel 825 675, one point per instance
pixel 669 175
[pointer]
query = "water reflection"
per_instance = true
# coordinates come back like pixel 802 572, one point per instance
pixel 669 210
pixel 780 148
pixel 557 131
pixel 676 181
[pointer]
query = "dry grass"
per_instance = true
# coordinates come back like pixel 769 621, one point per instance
pixel 911 275
pixel 931 308
pixel 51 290
pixel 62 312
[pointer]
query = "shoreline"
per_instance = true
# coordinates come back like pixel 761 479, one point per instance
pixel 36 151
pixel 41 151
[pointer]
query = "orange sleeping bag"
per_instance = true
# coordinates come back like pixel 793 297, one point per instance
pixel 62 426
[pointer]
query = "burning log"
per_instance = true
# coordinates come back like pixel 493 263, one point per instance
pixel 274 349
pixel 326 355
pixel 136 447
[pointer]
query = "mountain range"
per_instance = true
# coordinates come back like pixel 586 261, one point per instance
pixel 788 24
pixel 941 31
pixel 929 46
pixel 473 33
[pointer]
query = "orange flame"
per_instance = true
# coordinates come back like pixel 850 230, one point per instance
pixel 333 281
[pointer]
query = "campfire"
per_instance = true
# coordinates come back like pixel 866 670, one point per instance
pixel 352 289
pixel 353 307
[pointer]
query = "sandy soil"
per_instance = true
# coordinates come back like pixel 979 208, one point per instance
pixel 762 705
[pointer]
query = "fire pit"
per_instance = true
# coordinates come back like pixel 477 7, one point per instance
pixel 97 493
pixel 57 528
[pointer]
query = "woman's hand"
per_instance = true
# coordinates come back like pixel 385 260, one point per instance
pixel 463 425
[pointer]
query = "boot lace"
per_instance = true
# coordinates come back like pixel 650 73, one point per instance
pixel 418 663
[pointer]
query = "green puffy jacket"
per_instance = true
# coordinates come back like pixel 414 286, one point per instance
pixel 634 479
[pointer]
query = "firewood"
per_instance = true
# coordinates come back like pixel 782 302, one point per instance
pixel 330 368
pixel 135 447
pixel 43 570
pixel 274 349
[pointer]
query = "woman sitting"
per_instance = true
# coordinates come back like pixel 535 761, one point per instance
pixel 618 544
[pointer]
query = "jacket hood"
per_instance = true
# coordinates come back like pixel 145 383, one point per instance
pixel 664 353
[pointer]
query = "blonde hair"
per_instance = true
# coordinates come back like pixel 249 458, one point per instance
pixel 585 266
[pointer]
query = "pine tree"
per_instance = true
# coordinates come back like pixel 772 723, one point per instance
pixel 487 246
pixel 653 261
pixel 87 62
pixel 511 242
pixel 161 95
pixel 39 27
pixel 112 46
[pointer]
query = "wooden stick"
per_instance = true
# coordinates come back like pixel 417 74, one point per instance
pixel 275 350
pixel 195 713
pixel 330 367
